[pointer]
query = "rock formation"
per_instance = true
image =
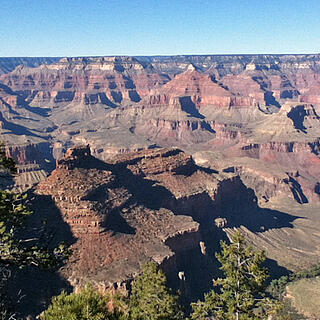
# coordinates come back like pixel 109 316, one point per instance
pixel 252 121
pixel 116 214
pixel 159 205
pixel 261 107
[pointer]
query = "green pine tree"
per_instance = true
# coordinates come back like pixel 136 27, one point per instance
pixel 150 297
pixel 15 251
pixel 240 295
pixel 7 164
pixel 89 304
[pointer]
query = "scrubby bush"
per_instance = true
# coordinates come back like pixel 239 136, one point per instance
pixel 150 297
pixel 89 304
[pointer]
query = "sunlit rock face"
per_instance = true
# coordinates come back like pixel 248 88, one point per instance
pixel 261 107
pixel 160 205
pixel 120 212
pixel 147 205
pixel 249 130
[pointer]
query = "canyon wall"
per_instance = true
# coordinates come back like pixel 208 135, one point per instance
pixel 263 107
pixel 149 205
pixel 250 125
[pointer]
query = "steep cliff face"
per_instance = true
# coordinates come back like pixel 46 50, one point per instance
pixel 106 81
pixel 263 107
pixel 116 214
pixel 40 153
pixel 143 206
pixel 253 121
pixel 244 85
pixel 159 205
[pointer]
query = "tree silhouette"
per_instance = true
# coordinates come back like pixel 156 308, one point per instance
pixel 240 295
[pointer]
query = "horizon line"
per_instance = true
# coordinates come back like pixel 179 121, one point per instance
pixel 163 55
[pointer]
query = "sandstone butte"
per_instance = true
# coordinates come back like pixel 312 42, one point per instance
pixel 152 205
pixel 249 130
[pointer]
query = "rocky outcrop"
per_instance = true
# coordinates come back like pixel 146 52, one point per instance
pixel 140 206
pixel 262 107
pixel 253 119
pixel 107 81
pixel 192 90
pixel 112 208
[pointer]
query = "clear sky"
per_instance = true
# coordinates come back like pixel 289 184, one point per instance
pixel 158 27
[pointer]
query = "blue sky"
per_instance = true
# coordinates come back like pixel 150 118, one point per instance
pixel 162 27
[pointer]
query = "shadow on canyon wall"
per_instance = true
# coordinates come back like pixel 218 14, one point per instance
pixel 22 103
pixel 32 286
pixel 200 269
pixel 271 100
pixel 18 129
pixel 297 115
pixel 189 107
pixel 296 190
pixel 233 201
pixel 237 205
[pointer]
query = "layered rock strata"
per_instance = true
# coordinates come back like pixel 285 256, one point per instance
pixel 159 205
pixel 116 214
pixel 261 107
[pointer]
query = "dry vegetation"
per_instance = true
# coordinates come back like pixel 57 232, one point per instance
pixel 305 294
